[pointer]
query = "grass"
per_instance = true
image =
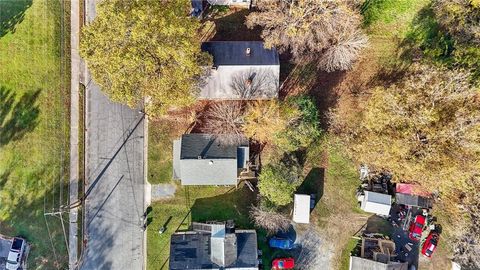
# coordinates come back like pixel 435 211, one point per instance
pixel 345 257
pixel 33 126
pixel 206 204
pixel 159 152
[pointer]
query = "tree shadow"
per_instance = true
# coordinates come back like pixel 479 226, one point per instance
pixel 12 12
pixel 314 183
pixel 426 39
pixel 17 118
pixel 231 205
pixel 231 27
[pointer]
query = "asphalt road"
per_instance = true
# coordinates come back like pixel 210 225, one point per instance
pixel 115 170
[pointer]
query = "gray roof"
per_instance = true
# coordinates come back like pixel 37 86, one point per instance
pixel 233 53
pixel 206 146
pixel 413 200
pixel 199 159
pixel 357 263
pixel 193 250
pixel 238 75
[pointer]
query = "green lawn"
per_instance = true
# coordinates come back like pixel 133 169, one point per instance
pixel 33 126
pixel 160 143
pixel 206 204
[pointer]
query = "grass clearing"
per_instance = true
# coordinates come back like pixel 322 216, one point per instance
pixel 33 126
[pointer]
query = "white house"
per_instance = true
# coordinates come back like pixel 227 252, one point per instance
pixel 241 70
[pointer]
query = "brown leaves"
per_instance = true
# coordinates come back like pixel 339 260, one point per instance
pixel 327 32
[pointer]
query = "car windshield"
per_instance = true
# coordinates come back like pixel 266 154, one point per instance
pixel 419 225
pixel 11 262
pixel 280 263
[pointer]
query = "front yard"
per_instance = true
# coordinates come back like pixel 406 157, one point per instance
pixel 34 125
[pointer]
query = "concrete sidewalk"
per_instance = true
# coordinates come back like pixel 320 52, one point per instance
pixel 74 121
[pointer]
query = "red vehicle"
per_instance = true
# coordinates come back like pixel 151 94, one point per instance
pixel 416 228
pixel 283 263
pixel 430 244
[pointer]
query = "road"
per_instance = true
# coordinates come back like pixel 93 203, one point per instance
pixel 115 181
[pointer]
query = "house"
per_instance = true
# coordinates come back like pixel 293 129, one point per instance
pixel 376 254
pixel 232 3
pixel 203 159
pixel 413 195
pixel 301 208
pixel 376 203
pixel 241 70
pixel 214 246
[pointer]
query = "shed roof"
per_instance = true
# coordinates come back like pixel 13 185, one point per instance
pixel 413 200
pixel 233 53
pixel 377 203
pixel 301 210
pixel 357 263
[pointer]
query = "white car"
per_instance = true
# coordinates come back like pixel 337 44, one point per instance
pixel 14 260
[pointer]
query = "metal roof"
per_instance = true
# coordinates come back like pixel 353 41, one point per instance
pixel 301 210
pixel 377 203
pixel 357 263
pixel 413 200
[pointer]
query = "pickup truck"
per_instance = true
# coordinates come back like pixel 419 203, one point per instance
pixel 15 254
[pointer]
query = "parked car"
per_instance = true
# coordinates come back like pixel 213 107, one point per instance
pixel 430 244
pixel 15 254
pixel 283 263
pixel 281 243
pixel 416 228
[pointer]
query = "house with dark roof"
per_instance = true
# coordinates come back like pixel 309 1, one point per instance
pixel 204 159
pixel 214 246
pixel 241 70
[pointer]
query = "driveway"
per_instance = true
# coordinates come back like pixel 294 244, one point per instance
pixel 115 185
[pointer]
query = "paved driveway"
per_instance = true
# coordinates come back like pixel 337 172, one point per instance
pixel 115 171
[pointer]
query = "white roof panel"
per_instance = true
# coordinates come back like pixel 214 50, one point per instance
pixel 377 203
pixel 301 210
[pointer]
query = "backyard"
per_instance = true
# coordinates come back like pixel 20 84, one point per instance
pixel 34 126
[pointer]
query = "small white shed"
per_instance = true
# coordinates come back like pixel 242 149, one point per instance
pixel 376 203
pixel 301 208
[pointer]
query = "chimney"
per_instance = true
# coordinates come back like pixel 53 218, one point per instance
pixel 248 51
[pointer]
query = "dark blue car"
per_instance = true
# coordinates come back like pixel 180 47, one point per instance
pixel 281 243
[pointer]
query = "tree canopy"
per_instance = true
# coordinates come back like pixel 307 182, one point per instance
pixel 138 49
pixel 278 181
pixel 425 129
pixel 324 31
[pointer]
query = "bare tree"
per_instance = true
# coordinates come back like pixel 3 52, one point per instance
pixel 225 118
pixel 345 51
pixel 467 244
pixel 255 83
pixel 270 220
pixel 312 30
